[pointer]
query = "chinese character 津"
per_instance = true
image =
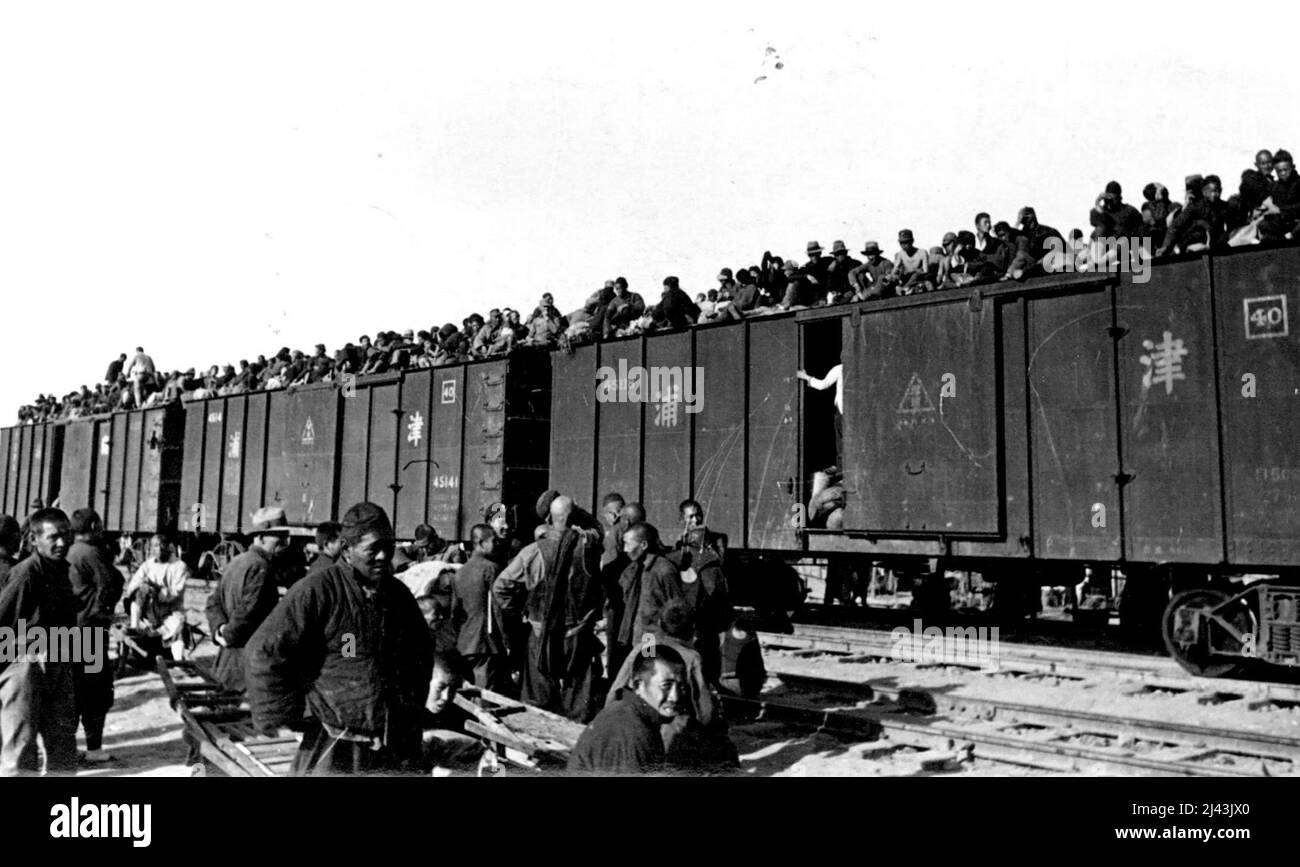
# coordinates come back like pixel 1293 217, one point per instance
pixel 1164 362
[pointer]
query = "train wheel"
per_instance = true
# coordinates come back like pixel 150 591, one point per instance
pixel 225 551
pixel 1195 650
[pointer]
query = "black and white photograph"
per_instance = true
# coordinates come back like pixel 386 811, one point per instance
pixel 579 392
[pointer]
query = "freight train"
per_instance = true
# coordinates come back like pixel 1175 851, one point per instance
pixel 1067 425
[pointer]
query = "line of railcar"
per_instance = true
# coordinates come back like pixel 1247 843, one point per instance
pixel 1025 431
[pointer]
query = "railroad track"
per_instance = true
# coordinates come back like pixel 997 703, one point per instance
pixel 1027 659
pixel 1029 737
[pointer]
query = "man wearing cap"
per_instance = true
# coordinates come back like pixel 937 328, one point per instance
pixel 246 594
pixel 1031 246
pixel 346 659
pixel 96 587
pixel 911 265
pixel 799 290
pixel 839 288
pixel 1111 217
pixel 553 587
pixel 874 278
pixel 817 269
pixel 546 324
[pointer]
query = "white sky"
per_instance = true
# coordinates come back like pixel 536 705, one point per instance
pixel 217 181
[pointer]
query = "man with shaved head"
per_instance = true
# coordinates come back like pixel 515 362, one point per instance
pixel 553 586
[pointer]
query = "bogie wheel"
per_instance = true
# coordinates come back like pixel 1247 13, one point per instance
pixel 1198 655
pixel 225 551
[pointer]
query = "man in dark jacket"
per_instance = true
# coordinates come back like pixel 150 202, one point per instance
pixel 625 308
pixel 1204 221
pixel 1031 246
pixel 675 309
pixel 837 274
pixel 38 698
pixel 554 585
pixel 1285 192
pixel 346 658
pixel 624 738
pixel 1112 217
pixel 97 587
pixel 329 547
pixel 647 584
pixel 245 596
pixel 1256 184
pixel 799 291
pixel 10 544
pixel 480 638
pixel 612 563
pixel 115 368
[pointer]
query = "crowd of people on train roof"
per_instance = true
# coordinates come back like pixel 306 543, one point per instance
pixel 1265 209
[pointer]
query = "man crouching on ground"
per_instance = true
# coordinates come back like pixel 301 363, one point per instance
pixel 624 738
pixel 346 659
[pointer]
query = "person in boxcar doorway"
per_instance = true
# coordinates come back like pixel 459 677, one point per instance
pixel 834 377
pixel 329 547
pixel 346 659
pixel 155 595
pixel 97 587
pixel 554 586
pixel 246 594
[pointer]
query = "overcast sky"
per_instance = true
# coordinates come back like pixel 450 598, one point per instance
pixel 213 182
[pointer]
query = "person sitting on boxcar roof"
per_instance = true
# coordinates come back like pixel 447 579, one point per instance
pixel 1112 217
pixel 911 265
pixel 675 308
pixel 1285 193
pixel 1203 223
pixel 624 308
pixel 874 278
pixel 1031 246
pixel 1156 213
pixel 799 289
pixel 1256 185
pixel 546 324
pixel 839 289
pixel 155 595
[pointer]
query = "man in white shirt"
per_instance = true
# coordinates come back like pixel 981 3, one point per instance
pixel 155 595
pixel 835 377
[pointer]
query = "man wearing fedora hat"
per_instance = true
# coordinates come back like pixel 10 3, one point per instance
pixel 817 269
pixel 839 287
pixel 246 594
pixel 874 278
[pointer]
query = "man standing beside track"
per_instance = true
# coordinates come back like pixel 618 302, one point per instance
pixel 346 658
pixel 554 585
pixel 37 696
pixel 246 595
pixel 97 587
